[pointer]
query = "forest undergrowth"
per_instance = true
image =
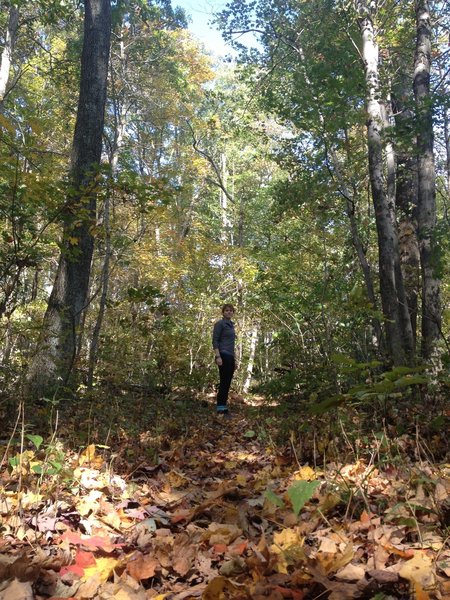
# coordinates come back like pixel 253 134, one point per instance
pixel 129 497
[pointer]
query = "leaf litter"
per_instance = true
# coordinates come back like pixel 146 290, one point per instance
pixel 221 515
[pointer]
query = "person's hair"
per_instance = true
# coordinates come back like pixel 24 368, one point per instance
pixel 225 306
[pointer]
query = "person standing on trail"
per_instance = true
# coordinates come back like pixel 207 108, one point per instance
pixel 223 340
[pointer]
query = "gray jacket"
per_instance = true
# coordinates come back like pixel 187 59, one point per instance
pixel 224 336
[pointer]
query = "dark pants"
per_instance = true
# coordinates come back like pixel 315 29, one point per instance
pixel 226 372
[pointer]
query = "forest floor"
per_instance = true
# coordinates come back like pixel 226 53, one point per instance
pixel 195 506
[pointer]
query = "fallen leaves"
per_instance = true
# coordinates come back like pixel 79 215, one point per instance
pixel 222 517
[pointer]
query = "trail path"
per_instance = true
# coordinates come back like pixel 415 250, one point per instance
pixel 222 514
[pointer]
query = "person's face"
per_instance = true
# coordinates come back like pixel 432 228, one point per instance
pixel 228 313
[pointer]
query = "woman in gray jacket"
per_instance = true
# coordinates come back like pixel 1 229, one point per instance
pixel 223 340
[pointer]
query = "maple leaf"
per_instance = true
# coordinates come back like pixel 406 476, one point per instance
pixel 82 561
pixel 96 542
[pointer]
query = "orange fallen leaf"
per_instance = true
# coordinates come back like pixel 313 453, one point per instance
pixel 402 553
pixel 288 593
pixel 365 517
pixel 181 515
pixel 95 542
pixel 82 560
pixel 421 594
pixel 238 548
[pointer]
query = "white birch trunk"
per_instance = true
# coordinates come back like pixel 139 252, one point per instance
pixel 8 49
pixel 399 337
pixel 251 359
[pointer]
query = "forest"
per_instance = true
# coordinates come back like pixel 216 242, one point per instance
pixel 145 182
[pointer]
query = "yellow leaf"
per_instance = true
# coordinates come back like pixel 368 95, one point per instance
pixel 418 570
pixel 333 561
pixel 176 479
pixel 241 479
pixel 88 455
pixel 103 569
pixel 305 474
pixel 288 545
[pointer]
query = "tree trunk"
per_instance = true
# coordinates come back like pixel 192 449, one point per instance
pixel 223 198
pixel 431 303
pixel 251 359
pixel 93 348
pixel 53 362
pixel 391 171
pixel 399 338
pixel 6 58
pixel 406 202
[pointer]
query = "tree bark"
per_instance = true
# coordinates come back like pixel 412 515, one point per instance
pixel 406 200
pixel 251 359
pixel 55 356
pixel 399 338
pixel 431 302
pixel 8 49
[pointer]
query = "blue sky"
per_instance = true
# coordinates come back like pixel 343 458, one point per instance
pixel 201 12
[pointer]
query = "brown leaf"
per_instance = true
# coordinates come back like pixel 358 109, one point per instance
pixel 142 566
pixel 216 587
pixel 184 554
pixel 383 576
pixel 222 533
pixel 351 572
pixel 233 567
pixel 17 590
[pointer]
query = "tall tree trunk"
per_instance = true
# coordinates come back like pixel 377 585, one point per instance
pixel 406 200
pixel 399 338
pixel 119 133
pixel 350 196
pixel 251 359
pixel 431 302
pixel 226 235
pixel 93 347
pixel 56 351
pixel 391 189
pixel 6 57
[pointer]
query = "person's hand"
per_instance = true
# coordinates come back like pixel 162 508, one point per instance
pixel 219 361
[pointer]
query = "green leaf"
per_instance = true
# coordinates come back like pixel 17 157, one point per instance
pixel 57 466
pixel 411 380
pixel 273 498
pixel 341 359
pixel 300 492
pixel 35 439
pixel 326 405
pixel 250 433
pixel 37 469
